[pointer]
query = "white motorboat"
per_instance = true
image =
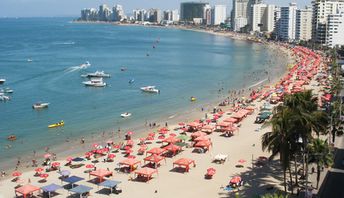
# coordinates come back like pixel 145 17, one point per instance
pixel 150 89
pixel 7 90
pixel 95 82
pixel 85 65
pixel 40 105
pixel 29 60
pixel 3 97
pixel 2 81
pixel 98 74
pixel 125 115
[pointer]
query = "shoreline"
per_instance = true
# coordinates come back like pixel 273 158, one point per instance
pixel 140 130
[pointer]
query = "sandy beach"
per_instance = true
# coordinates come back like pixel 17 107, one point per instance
pixel 243 148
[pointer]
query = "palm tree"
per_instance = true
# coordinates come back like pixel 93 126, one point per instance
pixel 278 141
pixel 275 195
pixel 321 154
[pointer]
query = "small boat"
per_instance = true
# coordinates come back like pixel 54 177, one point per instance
pixel 98 74
pixel 11 137
pixel 29 60
pixel 40 105
pixel 95 82
pixel 3 97
pixel 131 81
pixel 150 89
pixel 85 65
pixel 2 81
pixel 192 99
pixel 125 115
pixel 59 124
pixel 123 69
pixel 7 90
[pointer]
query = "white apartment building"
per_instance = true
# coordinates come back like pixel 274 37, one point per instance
pixel 335 30
pixel 321 10
pixel 219 14
pixel 304 24
pixel 118 13
pixel 287 23
pixel 263 18
pixel 239 14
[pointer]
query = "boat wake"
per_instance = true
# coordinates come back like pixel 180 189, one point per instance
pixel 77 68
pixel 64 43
pixel 258 83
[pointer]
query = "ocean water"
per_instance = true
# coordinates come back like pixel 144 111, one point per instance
pixel 182 64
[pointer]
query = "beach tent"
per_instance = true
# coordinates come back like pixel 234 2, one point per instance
pixel 72 180
pixel 109 184
pixel 146 173
pixel 101 173
pixel 203 144
pixel 130 162
pixel 51 188
pixel 184 162
pixel 171 140
pixel 197 134
pixel 81 189
pixel 156 150
pixel 26 190
pixel 183 137
pixel 208 128
pixel 154 158
pixel 233 120
pixel 202 138
pixel 224 124
pixel 173 148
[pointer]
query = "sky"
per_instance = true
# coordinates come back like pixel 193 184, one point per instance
pixel 54 8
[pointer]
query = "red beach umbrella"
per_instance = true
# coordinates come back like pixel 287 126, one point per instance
pixel 111 156
pixel 45 175
pixel 89 166
pixel 39 169
pixel 235 180
pixel 95 145
pixel 47 155
pixel 173 134
pixel 181 124
pixel 69 159
pixel 130 133
pixel 55 164
pixel 16 174
pixel 128 151
pixel 241 161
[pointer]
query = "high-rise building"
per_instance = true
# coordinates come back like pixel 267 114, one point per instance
pixel 335 30
pixel 263 18
pixel 167 15
pixel 321 10
pixel 287 23
pixel 239 14
pixel 304 24
pixel 118 13
pixel 154 15
pixel 89 14
pixel 175 15
pixel 277 17
pixel 191 10
pixel 219 14
pixel 250 5
pixel 208 14
pixel 104 13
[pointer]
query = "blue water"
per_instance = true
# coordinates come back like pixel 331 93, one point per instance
pixel 183 64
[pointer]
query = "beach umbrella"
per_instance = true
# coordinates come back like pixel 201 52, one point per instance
pixel 95 145
pixel 211 171
pixel 69 159
pixel 131 157
pixel 111 156
pixel 241 161
pixel 130 133
pixel 55 164
pixel 89 166
pixel 202 138
pixel 44 176
pixel 235 180
pixel 16 174
pixel 39 169
pixel 181 124
pixel 64 173
pixel 109 142
pixel 47 155
pixel 183 137
pixel 161 137
pixel 128 151
pixel 173 134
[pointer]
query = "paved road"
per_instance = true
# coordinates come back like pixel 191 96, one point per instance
pixel 333 185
